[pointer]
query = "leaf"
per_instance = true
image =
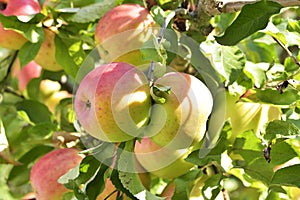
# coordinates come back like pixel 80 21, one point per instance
pixel 97 185
pixel 3 139
pixel 36 111
pixel 253 17
pixel 41 131
pixel 28 52
pixel 272 96
pixel 92 12
pixel 278 129
pixel 260 170
pixel 257 72
pixel 287 176
pixel 128 174
pixel 64 58
pixel 282 152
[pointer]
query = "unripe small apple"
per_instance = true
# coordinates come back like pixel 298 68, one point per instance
pixel 122 31
pixel 11 39
pixel 48 169
pixel 113 102
pixel 160 161
pixel 26 74
pixel 46 54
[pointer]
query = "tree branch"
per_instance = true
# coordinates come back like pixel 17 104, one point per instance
pixel 215 7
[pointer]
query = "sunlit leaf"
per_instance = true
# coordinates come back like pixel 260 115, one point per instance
pixel 287 176
pixel 281 130
pixel 253 17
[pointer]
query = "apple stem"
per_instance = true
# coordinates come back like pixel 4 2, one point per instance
pixel 160 39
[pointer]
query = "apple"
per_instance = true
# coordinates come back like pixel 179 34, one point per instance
pixel 246 116
pixel 161 161
pixel 112 102
pixel 181 120
pixel 48 169
pixel 26 74
pixel 11 39
pixel 122 31
pixel 46 54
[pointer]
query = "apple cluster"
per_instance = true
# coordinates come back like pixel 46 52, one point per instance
pixel 116 101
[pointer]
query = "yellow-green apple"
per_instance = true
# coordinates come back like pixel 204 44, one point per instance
pixel 113 102
pixel 9 38
pixel 122 31
pixel 245 116
pixel 48 169
pixel 161 161
pixel 46 54
pixel 26 74
pixel 181 120
pixel 51 93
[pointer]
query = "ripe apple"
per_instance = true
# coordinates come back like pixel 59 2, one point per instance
pixel 46 54
pixel 161 161
pixel 112 102
pixel 24 75
pixel 122 31
pixel 248 116
pixel 181 120
pixel 11 39
pixel 48 169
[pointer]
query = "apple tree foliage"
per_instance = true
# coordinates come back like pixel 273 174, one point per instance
pixel 253 52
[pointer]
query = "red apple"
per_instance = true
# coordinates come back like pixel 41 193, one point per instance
pixel 48 169
pixel 161 161
pixel 46 55
pixel 9 38
pixel 121 32
pixel 112 102
pixel 26 74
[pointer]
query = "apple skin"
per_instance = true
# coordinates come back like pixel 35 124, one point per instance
pixel 26 74
pixel 162 162
pixel 48 169
pixel 245 116
pixel 11 39
pixel 113 102
pixel 46 54
pixel 181 120
pixel 121 40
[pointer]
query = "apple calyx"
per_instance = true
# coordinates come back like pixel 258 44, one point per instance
pixel 159 93
pixel 3 6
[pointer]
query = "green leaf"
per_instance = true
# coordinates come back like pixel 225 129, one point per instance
pixel 212 186
pixel 28 52
pixel 128 176
pixel 41 131
pixel 253 17
pixel 36 111
pixel 64 58
pixel 184 184
pixel 260 169
pixel 282 152
pixel 97 185
pixel 287 176
pixel 257 72
pixel 92 12
pixel 281 130
pixel 272 96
